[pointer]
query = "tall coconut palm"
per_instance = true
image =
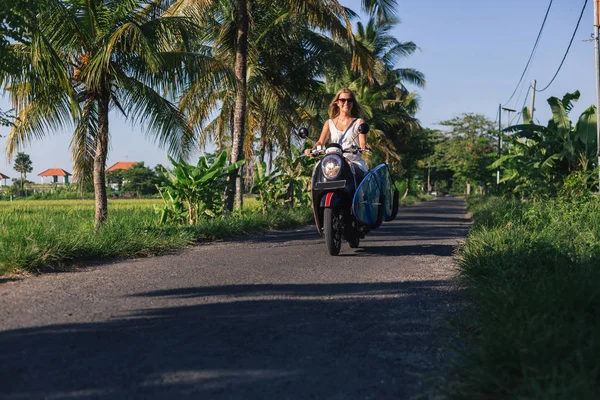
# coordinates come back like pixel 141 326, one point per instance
pixel 85 58
pixel 329 16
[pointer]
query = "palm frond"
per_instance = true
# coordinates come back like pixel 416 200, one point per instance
pixel 163 120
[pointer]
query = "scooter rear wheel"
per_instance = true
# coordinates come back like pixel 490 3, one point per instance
pixel 333 237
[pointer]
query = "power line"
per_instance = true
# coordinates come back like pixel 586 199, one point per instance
pixel 526 97
pixel 519 96
pixel 568 48
pixel 537 40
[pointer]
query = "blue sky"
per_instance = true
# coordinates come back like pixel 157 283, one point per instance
pixel 472 53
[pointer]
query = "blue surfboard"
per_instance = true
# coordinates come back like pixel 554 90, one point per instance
pixel 366 201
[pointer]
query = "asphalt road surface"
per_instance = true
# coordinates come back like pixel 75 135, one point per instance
pixel 271 317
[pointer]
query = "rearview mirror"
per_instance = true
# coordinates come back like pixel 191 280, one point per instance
pixel 303 133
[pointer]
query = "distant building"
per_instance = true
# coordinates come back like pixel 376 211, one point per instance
pixel 119 166
pixel 3 179
pixel 123 165
pixel 53 174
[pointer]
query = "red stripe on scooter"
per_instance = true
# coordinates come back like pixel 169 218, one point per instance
pixel 328 199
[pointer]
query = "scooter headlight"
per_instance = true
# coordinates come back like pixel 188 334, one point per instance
pixel 331 167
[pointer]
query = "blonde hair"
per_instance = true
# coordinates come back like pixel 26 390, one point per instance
pixel 334 109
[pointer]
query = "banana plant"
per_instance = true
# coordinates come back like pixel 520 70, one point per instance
pixel 539 157
pixel 295 174
pixel 288 184
pixel 195 190
pixel 264 185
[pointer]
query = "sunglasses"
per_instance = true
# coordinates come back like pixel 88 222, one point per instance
pixel 349 100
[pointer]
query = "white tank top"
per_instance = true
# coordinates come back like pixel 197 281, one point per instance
pixel 351 138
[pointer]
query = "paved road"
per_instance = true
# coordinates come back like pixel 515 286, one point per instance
pixel 264 318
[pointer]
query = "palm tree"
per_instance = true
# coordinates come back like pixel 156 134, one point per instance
pixel 83 59
pixel 23 166
pixel 329 16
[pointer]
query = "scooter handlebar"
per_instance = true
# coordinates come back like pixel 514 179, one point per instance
pixel 356 150
pixel 351 150
pixel 313 153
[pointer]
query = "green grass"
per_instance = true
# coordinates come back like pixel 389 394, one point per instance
pixel 533 275
pixel 412 199
pixel 35 235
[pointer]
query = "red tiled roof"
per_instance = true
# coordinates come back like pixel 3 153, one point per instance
pixel 2 176
pixel 54 172
pixel 122 165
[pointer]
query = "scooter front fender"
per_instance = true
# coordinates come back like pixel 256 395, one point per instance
pixel 330 199
pixel 327 200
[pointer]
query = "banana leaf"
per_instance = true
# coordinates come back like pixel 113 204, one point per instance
pixel 586 130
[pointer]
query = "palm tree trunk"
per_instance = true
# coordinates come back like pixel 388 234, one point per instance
pixel 100 162
pixel 239 116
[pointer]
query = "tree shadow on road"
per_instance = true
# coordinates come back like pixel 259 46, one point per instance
pixel 281 341
pixel 420 232
pixel 443 250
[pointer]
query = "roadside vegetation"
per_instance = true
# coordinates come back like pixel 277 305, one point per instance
pixel 530 265
pixel 42 235
pixel 533 282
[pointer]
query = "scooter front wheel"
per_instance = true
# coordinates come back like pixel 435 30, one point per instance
pixel 333 236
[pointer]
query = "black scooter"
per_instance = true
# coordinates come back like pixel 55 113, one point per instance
pixel 334 185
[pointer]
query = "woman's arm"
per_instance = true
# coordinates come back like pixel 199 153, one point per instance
pixel 362 137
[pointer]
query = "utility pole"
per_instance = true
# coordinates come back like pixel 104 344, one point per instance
pixel 508 110
pixel 597 70
pixel 429 178
pixel 532 109
pixel 499 145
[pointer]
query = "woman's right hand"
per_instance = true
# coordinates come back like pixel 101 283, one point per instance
pixel 308 152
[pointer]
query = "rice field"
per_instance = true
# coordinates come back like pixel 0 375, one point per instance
pixel 39 234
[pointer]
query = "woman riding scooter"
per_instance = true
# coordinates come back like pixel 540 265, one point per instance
pixel 342 128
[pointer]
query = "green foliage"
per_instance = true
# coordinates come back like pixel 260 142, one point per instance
pixel 59 192
pixel 23 164
pixel 586 130
pixel 13 25
pixel 288 184
pixel 416 147
pixel 195 190
pixel 533 283
pixel 139 179
pixel 262 185
pixel 17 188
pixel 115 179
pixel 464 153
pixel 541 159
